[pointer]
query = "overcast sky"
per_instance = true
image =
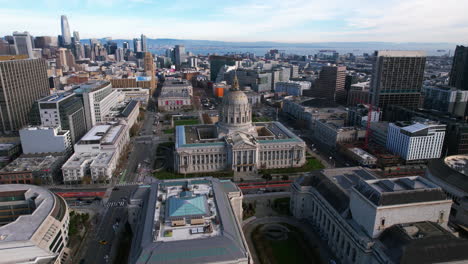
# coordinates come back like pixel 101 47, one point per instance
pixel 245 20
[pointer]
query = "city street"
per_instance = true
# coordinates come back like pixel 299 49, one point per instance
pixel 102 242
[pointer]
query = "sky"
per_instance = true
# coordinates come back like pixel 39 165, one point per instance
pixel 294 21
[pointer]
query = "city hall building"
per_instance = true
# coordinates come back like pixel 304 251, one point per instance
pixel 235 143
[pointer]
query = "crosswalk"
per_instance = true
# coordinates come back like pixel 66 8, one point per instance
pixel 116 204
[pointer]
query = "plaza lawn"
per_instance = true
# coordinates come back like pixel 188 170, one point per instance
pixel 186 122
pixel 311 164
pixel 292 250
pixel 169 131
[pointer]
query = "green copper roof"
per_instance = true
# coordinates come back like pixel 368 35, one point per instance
pixel 186 206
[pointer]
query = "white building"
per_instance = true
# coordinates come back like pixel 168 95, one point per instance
pixel 137 94
pixel 293 88
pixel 375 221
pixel 38 140
pixel 417 141
pixel 96 154
pixel 236 144
pixel 98 98
pixel 33 225
pixel 333 131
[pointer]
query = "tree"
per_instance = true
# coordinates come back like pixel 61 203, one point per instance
pixel 267 177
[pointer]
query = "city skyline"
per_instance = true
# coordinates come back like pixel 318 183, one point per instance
pixel 292 22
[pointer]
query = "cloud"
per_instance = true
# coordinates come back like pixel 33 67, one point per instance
pixel 253 20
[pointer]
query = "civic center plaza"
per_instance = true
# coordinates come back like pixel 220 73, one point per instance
pixel 235 143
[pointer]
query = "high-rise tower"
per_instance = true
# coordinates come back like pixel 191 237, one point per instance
pixel 66 36
pixel 23 44
pixel 397 78
pixel 144 47
pixel 459 72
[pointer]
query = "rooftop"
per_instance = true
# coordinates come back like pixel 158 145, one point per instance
pixel 102 134
pixel 55 97
pixel 90 86
pixel 400 53
pixel 394 191
pixel 24 226
pixel 202 229
pixel 422 242
pixel 453 170
pixel 25 163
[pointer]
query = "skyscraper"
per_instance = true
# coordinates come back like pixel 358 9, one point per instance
pixel 397 78
pixel 76 36
pixel 23 44
pixel 136 45
pixel 22 82
pixel 331 83
pixel 218 62
pixel 119 54
pixel 144 47
pixel 150 70
pixel 459 72
pixel 180 56
pixel 66 37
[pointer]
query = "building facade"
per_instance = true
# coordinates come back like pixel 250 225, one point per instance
pixel 360 217
pixel 235 143
pixel 331 84
pixel 418 141
pixel 98 98
pixel 293 88
pixel 41 140
pixel 175 94
pixel 24 44
pixel 34 228
pixel 397 78
pixel 459 72
pixel 64 110
pixel 22 82
pixel 446 99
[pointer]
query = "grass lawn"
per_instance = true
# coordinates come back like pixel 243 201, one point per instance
pixel 169 131
pixel 292 250
pixel 311 164
pixel 186 122
pixel 261 119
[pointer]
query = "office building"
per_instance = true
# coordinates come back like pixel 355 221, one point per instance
pixel 65 59
pixel 293 88
pixel 7 48
pixel 175 94
pixel 33 169
pixel 359 115
pixel 195 221
pixel 144 45
pixel 76 36
pixel 136 94
pixel 397 78
pixel 119 55
pixel 446 99
pixel 33 226
pixel 459 71
pixel 333 131
pixel 96 154
pixel 23 44
pixel 136 45
pixel 64 110
pixel 331 84
pixel 359 93
pixel 307 111
pixel 259 81
pixel 150 70
pixel 180 56
pixel 22 82
pixel 98 98
pixel 66 36
pixel 456 137
pixel 43 42
pixel 375 221
pixel 42 140
pixel 235 143
pixel 417 141
pixel 218 62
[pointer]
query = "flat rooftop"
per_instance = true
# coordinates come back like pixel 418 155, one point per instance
pixel 96 133
pixel 401 53
pixel 394 191
pixel 31 164
pixel 55 97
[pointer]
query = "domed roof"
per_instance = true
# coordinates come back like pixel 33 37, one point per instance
pixel 235 98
